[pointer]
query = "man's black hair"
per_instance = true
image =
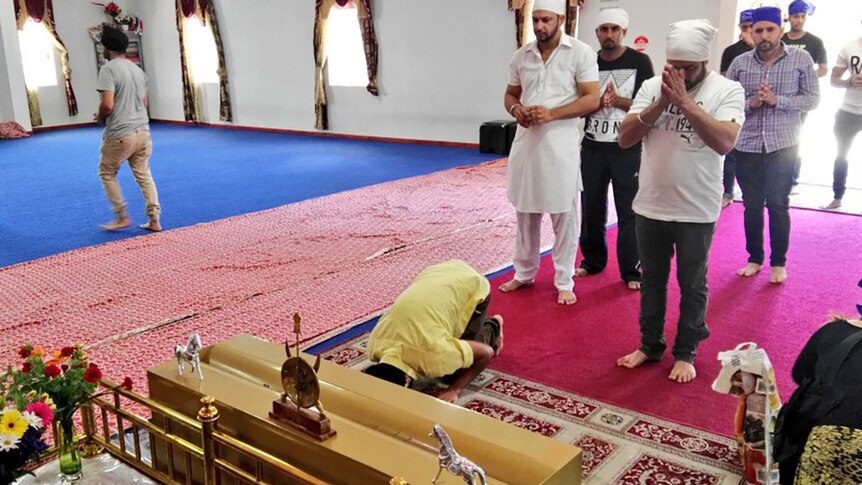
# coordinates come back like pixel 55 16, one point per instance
pixel 114 39
pixel 388 373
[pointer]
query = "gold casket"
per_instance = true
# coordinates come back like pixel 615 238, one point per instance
pixel 382 430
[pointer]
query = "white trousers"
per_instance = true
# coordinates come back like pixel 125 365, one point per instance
pixel 528 247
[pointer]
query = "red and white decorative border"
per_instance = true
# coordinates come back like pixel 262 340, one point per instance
pixel 620 446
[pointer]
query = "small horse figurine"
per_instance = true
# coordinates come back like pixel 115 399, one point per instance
pixel 455 463
pixel 189 353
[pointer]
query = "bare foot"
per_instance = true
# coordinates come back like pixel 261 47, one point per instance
pixel 117 224
pixel 567 297
pixel 151 226
pixel 632 360
pixel 682 372
pixel 749 270
pixel 634 285
pixel 499 318
pixel 726 200
pixel 777 274
pixel 835 204
pixel 580 272
pixel 513 285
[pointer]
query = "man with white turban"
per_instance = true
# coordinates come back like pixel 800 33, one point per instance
pixel 622 71
pixel 552 82
pixel 688 118
pixel 780 84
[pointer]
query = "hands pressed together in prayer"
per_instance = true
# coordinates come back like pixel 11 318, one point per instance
pixel 610 98
pixel 764 96
pixel 528 116
pixel 673 90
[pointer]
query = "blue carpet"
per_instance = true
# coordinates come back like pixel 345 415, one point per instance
pixel 52 201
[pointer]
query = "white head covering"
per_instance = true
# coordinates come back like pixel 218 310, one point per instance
pixel 555 6
pixel 690 40
pixel 615 16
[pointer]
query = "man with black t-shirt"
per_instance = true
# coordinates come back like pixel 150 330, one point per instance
pixel 798 38
pixel 621 72
pixel 733 51
pixel 742 46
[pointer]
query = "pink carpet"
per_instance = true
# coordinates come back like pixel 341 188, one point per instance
pixel 575 348
pixel 336 260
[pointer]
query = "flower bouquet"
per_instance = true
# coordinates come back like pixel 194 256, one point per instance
pixel 64 380
pixel 129 22
pixel 111 9
pixel 21 437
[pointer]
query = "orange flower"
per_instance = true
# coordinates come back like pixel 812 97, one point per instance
pixel 39 352
pixel 57 358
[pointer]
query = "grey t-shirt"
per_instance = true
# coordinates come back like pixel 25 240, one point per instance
pixel 129 84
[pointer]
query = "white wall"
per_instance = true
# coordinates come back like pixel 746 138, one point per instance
pixel 442 71
pixel 13 97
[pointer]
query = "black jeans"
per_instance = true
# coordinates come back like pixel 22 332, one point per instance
pixel 847 126
pixel 729 174
pixel 599 167
pixel 657 241
pixel 766 179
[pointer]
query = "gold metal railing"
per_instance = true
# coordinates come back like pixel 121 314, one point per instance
pixel 178 445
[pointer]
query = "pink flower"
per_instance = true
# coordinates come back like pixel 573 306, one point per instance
pixel 43 411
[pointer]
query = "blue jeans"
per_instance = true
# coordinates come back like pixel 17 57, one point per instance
pixel 766 180
pixel 657 241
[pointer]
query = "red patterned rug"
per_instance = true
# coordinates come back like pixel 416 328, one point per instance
pixel 575 348
pixel 620 446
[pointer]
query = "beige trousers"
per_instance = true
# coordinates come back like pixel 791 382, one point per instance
pixel 136 148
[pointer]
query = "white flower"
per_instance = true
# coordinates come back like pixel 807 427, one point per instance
pixel 32 419
pixel 10 406
pixel 8 442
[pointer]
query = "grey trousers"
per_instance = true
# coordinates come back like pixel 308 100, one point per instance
pixel 657 241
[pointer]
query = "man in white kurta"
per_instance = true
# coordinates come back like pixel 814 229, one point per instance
pixel 553 81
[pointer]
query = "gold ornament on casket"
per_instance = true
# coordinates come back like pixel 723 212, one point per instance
pixel 301 393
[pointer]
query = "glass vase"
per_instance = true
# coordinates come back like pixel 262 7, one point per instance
pixel 69 456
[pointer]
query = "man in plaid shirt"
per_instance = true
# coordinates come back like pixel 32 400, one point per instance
pixel 780 84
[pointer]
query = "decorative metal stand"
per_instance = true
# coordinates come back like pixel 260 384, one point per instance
pixel 189 353
pixel 454 463
pixel 301 393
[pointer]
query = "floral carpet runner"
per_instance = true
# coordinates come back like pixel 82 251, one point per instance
pixel 620 446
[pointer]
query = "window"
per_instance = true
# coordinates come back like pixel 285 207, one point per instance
pixel 201 51
pixel 37 55
pixel 344 48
